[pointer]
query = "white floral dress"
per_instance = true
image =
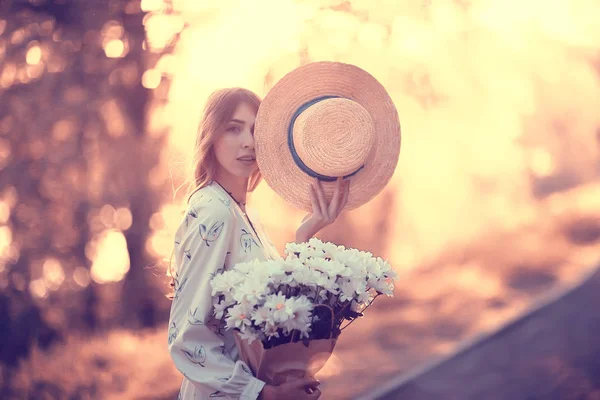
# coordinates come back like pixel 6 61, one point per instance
pixel 214 235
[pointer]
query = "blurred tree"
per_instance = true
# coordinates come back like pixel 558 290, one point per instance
pixel 75 162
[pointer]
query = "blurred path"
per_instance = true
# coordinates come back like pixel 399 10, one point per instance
pixel 551 353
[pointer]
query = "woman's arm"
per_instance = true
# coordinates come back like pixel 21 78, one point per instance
pixel 323 213
pixel 195 338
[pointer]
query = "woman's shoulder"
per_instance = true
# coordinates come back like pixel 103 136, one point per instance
pixel 209 202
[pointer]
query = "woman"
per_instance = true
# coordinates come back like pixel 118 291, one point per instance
pixel 215 234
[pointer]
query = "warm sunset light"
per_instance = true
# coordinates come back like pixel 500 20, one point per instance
pixel 34 54
pixel 151 79
pixel 5 240
pixel 54 275
pixel 114 48
pixel 81 276
pixel 109 256
pixel 492 211
pixel 473 100
pixel 152 5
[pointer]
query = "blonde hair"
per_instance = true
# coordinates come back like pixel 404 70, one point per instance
pixel 218 111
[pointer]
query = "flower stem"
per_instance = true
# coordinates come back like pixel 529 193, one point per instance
pixel 332 317
pixel 365 309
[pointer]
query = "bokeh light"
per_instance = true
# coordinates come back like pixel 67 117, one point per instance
pixel 34 54
pixel 109 255
pixel 114 48
pixel 498 104
pixel 151 78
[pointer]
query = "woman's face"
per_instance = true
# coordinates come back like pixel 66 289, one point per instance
pixel 234 147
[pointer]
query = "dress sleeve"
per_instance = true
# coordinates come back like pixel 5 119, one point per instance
pixel 195 337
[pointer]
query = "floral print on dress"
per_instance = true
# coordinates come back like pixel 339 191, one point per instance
pixel 246 369
pixel 192 319
pixel 217 272
pixel 213 233
pixel 191 213
pixel 178 286
pixel 246 241
pixel 173 332
pixel 217 394
pixel 226 202
pixel 198 356
pixel 225 379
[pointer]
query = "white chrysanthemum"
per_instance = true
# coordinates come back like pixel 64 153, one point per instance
pixel 315 243
pixel 285 278
pixel 365 297
pixel 303 276
pixel 224 282
pixel 390 274
pixel 290 264
pixel 276 304
pixel 219 308
pixel 260 274
pixel 323 281
pixel 271 330
pixel 355 262
pixel 273 267
pixel 383 265
pixel 351 288
pixel 250 335
pixel 300 310
pixel 295 249
pixel 262 315
pixel 373 268
pixel 324 295
pixel 251 290
pixel 374 281
pixel 331 250
pixel 246 267
pixel 238 317
pixel 333 268
pixel 358 306
pixel 385 286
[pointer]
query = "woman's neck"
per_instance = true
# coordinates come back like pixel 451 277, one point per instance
pixel 235 186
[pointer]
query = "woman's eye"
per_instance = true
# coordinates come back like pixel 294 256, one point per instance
pixel 234 129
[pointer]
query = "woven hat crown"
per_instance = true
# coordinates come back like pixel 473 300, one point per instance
pixel 333 137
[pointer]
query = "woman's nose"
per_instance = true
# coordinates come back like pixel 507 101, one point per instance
pixel 248 140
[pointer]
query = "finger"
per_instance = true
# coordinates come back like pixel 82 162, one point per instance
pixel 314 395
pixel 345 196
pixel 314 202
pixel 334 203
pixel 321 197
pixel 305 382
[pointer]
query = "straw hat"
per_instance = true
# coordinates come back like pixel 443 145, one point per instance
pixel 324 120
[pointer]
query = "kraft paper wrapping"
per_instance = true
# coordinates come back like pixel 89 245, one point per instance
pixel 291 360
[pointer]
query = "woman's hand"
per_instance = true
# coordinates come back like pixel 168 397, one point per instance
pixel 322 214
pixel 301 389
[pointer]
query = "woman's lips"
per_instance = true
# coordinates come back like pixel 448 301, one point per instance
pixel 247 160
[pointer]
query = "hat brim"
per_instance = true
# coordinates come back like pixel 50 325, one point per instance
pixel 304 84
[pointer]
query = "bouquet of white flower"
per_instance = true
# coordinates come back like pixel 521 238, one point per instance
pixel 299 301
